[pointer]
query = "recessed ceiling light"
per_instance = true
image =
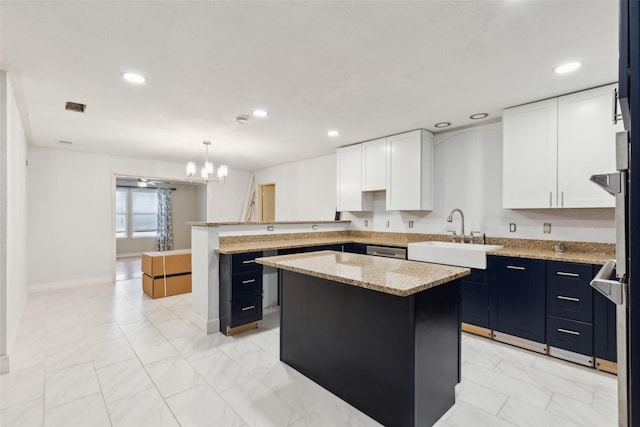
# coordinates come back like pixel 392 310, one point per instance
pixel 333 133
pixel 442 124
pixel 478 116
pixel 134 78
pixel 567 68
pixel 260 113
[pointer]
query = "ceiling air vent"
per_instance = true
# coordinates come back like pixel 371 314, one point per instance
pixel 75 106
pixel 61 141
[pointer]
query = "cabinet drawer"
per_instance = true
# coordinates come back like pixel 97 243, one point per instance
pixel 569 294
pixel 246 310
pixel 246 285
pixel 570 335
pixel 241 263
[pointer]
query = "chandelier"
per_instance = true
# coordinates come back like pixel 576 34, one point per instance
pixel 206 171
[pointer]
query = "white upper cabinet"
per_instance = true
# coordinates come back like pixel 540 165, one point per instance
pixel 410 171
pixel 349 168
pixel 586 147
pixel 374 165
pixel 552 147
pixel 529 155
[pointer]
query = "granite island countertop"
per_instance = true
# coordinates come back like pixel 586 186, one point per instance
pixel 388 275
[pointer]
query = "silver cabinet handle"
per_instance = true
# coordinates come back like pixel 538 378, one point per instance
pixel 515 267
pixel 614 107
pixel 562 273
pixel 251 261
pixel 567 331
pixel 251 307
pixel 550 197
pixel 244 282
pixel 562 199
pixel 568 298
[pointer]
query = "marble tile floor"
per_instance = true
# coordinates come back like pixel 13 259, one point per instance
pixel 108 355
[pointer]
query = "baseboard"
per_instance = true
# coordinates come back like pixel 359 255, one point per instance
pixel 12 339
pixel 129 255
pixel 89 281
pixel 4 363
pixel 207 326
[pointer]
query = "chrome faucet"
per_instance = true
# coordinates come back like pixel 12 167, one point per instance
pixel 450 219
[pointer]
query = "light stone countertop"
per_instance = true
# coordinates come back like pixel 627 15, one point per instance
pixel 551 255
pixel 268 245
pixel 388 275
pixel 217 224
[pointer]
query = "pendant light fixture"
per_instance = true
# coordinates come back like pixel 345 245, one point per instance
pixel 206 171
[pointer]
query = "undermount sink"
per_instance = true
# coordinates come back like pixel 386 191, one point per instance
pixel 458 254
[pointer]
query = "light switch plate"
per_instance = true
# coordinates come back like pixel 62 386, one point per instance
pixel 546 228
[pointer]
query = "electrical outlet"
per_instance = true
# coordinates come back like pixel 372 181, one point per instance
pixel 546 228
pixel 366 222
pixel 512 227
pixel 386 224
pixel 410 224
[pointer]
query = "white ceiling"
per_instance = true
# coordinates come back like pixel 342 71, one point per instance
pixel 368 69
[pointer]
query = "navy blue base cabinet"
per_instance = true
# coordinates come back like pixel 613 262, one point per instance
pixel 397 359
pixel 517 297
pixel 355 248
pixel 604 327
pixel 570 310
pixel 474 299
pixel 240 290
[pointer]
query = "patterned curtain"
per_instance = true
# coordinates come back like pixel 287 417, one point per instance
pixel 164 237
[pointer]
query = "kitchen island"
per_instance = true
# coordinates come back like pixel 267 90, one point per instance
pixel 382 334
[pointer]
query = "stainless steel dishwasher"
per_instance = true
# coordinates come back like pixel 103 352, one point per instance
pixel 386 251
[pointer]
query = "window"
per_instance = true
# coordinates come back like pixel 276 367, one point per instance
pixel 144 213
pixel 121 213
pixel 136 212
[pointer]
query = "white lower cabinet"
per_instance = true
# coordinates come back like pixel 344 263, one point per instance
pixel 410 171
pixel 552 147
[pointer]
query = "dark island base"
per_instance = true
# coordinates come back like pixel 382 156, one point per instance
pixel 397 359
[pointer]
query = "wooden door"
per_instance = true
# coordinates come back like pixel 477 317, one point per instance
pixel 267 210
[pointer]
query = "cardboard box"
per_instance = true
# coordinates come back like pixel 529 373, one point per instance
pixel 159 264
pixel 176 285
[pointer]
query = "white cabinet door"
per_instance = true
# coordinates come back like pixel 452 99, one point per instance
pixel 374 165
pixel 349 167
pixel 586 146
pixel 529 160
pixel 410 171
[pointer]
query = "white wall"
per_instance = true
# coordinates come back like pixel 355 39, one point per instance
pixel 185 207
pixel 14 276
pixel 225 201
pixel 305 190
pixel 467 175
pixel 70 212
